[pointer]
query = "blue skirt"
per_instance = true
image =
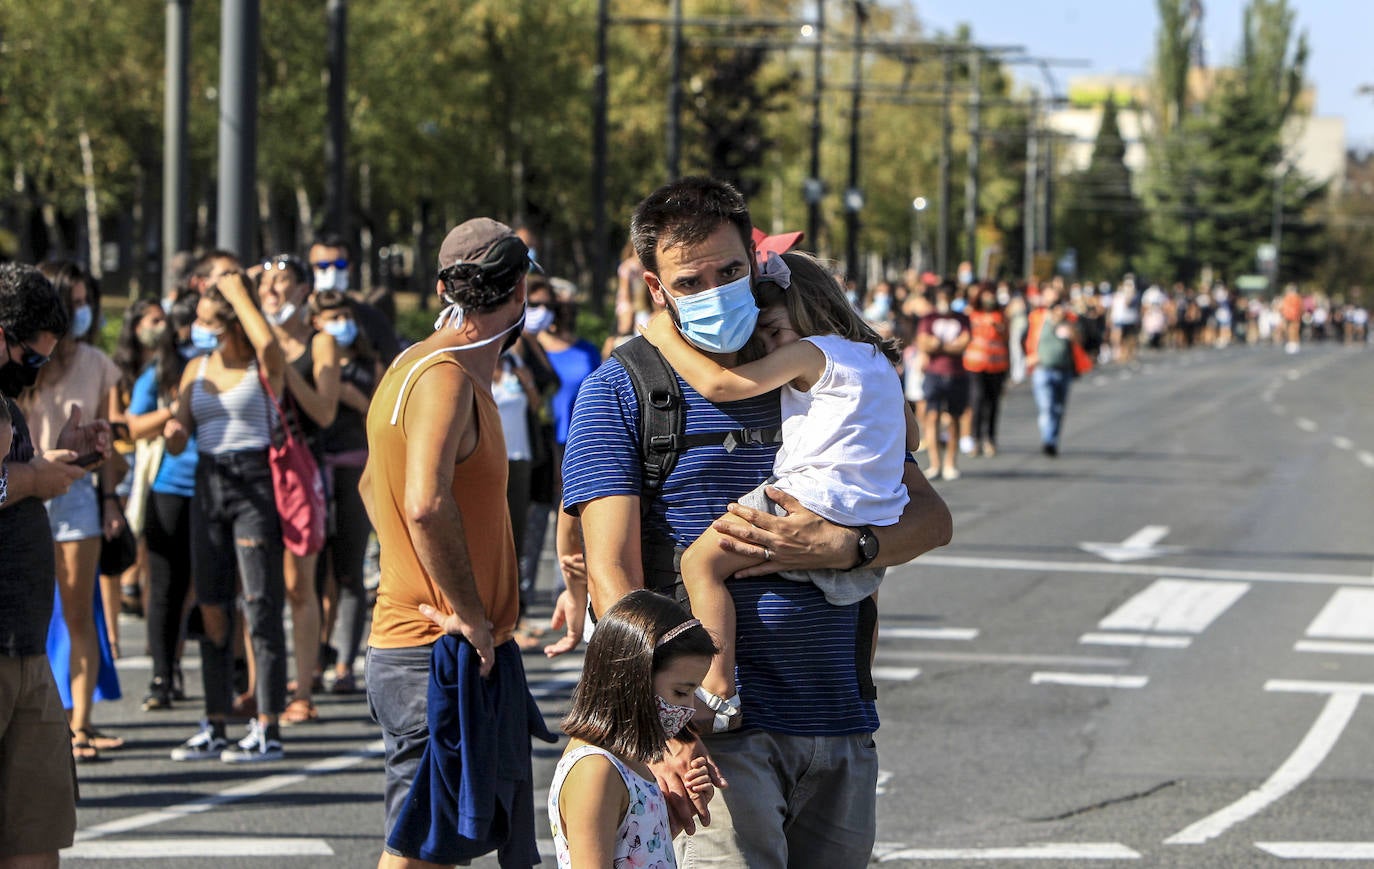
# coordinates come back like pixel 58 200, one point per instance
pixel 60 652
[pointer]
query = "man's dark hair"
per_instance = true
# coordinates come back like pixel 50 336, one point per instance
pixel 686 212
pixel 613 705
pixel 29 304
pixel 333 239
pixel 205 262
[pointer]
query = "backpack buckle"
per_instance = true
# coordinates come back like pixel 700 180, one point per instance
pixel 663 443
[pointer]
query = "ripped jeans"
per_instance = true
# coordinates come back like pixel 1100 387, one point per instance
pixel 235 532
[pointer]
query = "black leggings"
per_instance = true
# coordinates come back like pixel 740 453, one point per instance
pixel 344 553
pixel 986 391
pixel 167 530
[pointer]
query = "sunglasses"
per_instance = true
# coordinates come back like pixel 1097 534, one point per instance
pixel 321 265
pixel 32 358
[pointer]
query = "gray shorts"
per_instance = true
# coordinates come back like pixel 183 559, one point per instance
pixel 398 697
pixel 793 801
pixel 75 514
pixel 841 587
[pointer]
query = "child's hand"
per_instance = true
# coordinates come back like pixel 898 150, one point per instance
pixel 659 329
pixel 698 780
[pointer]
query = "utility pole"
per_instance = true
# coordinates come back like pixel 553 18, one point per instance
pixel 853 196
pixel 600 108
pixel 1032 168
pixel 238 128
pixel 815 190
pixel 336 143
pixel 675 95
pixel 175 174
pixel 971 181
pixel 946 123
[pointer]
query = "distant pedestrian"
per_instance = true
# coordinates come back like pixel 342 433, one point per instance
pixel 1055 356
pixel 643 665
pixel 987 361
pixel 944 335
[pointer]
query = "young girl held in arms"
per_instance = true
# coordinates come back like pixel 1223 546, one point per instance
pixel 845 435
pixel 644 662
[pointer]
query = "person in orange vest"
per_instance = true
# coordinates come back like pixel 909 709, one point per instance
pixel 1291 308
pixel 987 359
pixel 1055 355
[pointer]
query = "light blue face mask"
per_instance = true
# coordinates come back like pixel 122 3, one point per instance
pixel 204 339
pixel 82 318
pixel 345 332
pixel 719 320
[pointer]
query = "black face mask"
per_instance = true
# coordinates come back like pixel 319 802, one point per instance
pixel 15 377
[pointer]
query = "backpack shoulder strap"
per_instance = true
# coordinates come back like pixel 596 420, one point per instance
pixel 662 423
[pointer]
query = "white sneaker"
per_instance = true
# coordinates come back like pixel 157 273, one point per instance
pixel 203 746
pixel 967 445
pixel 254 747
pixel 1290 348
pixel 950 474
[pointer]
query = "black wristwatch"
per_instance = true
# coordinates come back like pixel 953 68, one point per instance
pixel 868 547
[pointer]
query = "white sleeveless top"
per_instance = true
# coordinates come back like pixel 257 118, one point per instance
pixel 843 440
pixel 235 420
pixel 644 839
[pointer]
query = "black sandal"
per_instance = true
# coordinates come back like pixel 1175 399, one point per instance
pixel 100 741
pixel 83 751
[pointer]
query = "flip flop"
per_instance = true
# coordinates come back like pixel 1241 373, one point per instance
pixel 83 751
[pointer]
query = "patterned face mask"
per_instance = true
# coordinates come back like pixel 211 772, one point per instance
pixel 673 718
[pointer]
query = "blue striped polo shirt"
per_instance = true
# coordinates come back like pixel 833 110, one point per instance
pixel 794 651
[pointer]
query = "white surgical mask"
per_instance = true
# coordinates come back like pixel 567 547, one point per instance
pixel 331 279
pixel 283 315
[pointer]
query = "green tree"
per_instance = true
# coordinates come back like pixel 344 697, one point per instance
pixel 1101 218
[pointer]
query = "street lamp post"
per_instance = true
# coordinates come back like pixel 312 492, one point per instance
pixel 917 248
pixel 853 196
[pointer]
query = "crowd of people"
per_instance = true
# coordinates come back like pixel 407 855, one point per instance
pixel 744 444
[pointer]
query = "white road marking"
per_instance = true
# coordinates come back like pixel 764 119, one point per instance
pixel 1332 647
pixel 1319 850
pixel 144 662
pixel 1305 424
pixel 884 776
pixel 1348 615
pixel 927 633
pixel 1037 566
pixel 1046 851
pixel 1014 659
pixel 246 790
pixel 1342 443
pixel 1089 680
pixel 1293 374
pixel 550 687
pixel 1295 770
pixel 1175 606
pixel 205 846
pixel 1366 458
pixel 1306 686
pixel 1140 545
pixel 1279 409
pixel 1145 641
pixel 895 674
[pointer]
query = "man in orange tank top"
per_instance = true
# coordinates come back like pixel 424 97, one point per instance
pixel 436 469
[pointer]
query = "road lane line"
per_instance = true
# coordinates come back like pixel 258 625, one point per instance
pixel 1319 850
pixel 1005 658
pixel 1366 458
pixel 1295 770
pixel 927 633
pixel 1177 606
pixel 1046 851
pixel 1305 424
pixel 895 674
pixel 1089 680
pixel 1039 566
pixel 1342 443
pixel 207 846
pixel 1333 647
pixel 1348 615
pixel 246 790
pixel 1144 641
pixel 1306 686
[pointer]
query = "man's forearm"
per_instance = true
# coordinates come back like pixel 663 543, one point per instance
pixel 441 546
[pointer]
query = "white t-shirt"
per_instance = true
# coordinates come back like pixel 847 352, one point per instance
pixel 512 402
pixel 843 440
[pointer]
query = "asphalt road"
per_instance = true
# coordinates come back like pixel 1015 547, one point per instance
pixel 1188 692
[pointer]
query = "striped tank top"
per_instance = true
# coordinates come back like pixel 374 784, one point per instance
pixel 238 419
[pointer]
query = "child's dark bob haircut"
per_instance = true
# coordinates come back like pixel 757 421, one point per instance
pixel 613 705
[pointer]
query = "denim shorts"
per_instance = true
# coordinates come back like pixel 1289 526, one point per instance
pixel 75 515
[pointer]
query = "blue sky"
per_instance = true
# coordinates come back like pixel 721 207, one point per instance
pixel 1118 36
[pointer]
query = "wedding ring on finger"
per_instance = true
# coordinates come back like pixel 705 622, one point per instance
pixel 767 555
